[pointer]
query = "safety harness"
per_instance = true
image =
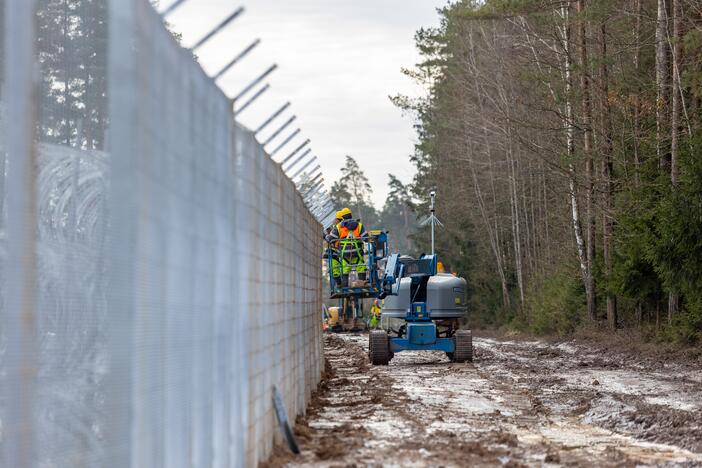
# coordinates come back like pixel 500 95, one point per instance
pixel 350 242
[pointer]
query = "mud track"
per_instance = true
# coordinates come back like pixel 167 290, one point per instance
pixel 519 404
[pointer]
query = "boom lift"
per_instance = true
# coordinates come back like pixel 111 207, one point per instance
pixel 351 293
pixel 429 304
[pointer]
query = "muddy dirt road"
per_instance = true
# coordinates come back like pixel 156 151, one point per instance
pixel 518 404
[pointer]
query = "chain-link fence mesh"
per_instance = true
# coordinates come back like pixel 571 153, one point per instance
pixel 160 274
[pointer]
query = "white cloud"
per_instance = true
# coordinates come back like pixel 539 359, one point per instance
pixel 339 62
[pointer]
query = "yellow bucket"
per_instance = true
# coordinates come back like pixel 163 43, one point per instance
pixel 333 316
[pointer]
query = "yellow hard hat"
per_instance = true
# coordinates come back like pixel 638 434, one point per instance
pixel 343 212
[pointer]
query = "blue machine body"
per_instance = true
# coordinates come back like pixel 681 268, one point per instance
pixel 421 333
pixel 420 330
pixel 403 344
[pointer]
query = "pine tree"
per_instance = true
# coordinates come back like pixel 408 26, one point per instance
pixel 72 52
pixel 397 215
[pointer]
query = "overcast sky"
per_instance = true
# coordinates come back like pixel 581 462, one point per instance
pixel 339 61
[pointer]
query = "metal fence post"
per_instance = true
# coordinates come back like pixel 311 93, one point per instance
pixel 20 318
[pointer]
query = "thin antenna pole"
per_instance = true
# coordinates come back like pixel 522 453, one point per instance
pixel 433 222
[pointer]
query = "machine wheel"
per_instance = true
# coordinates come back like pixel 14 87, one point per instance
pixel 463 341
pixel 379 347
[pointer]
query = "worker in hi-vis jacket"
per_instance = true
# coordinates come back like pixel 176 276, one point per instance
pixel 347 238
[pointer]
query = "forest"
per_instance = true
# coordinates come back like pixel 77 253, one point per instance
pixel 563 139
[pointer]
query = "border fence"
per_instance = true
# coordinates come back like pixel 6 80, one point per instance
pixel 160 272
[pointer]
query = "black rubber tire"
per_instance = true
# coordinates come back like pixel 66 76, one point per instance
pixel 379 348
pixel 463 341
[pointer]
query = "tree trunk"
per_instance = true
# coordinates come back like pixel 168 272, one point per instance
pixel 677 97
pixel 607 169
pixel 516 228
pixel 495 241
pixel 67 97
pixel 661 81
pixel 546 214
pixel 674 298
pixel 570 148
pixel 532 214
pixel 637 99
pixel 530 260
pixel 493 236
pixel 589 163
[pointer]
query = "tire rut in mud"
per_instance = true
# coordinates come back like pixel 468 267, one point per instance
pixel 591 385
pixel 360 416
pixel 348 395
pixel 517 405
